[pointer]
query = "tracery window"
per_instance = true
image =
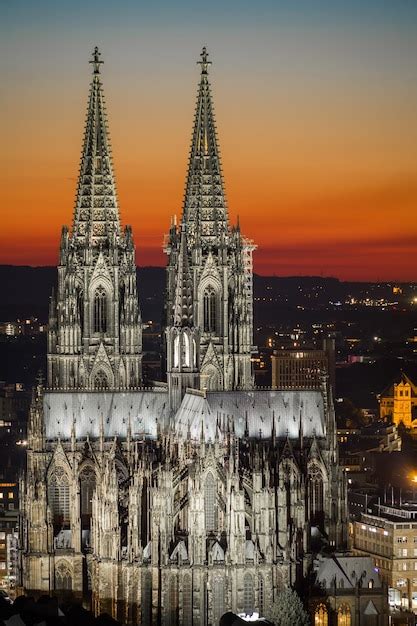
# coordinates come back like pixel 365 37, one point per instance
pixel 343 615
pixel 187 605
pixel 321 617
pixel 248 594
pixel 100 380
pixel 63 577
pixel 315 492
pixel 210 512
pixel 209 310
pixel 87 487
pixel 218 599
pixel 173 601
pixel 100 310
pixel 58 496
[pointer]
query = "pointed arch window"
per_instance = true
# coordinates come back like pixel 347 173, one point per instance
pixel 316 494
pixel 248 595
pixel 321 617
pixel 63 577
pixel 209 310
pixel 58 496
pixel 87 487
pixel 173 601
pixel 100 380
pixel 218 599
pixel 177 351
pixel 186 362
pixel 100 310
pixel 187 607
pixel 344 615
pixel 210 512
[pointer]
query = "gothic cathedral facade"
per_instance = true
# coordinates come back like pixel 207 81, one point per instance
pixel 169 505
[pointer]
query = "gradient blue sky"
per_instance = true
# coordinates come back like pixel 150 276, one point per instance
pixel 316 105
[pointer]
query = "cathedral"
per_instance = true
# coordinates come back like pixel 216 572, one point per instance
pixel 169 503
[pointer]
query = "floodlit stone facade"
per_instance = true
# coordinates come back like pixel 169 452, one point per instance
pixel 174 504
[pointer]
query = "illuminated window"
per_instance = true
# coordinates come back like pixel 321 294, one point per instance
pixel 2 535
pixel 100 311
pixel 2 565
pixel 185 357
pixel 1 495
pixel 343 615
pixel 209 309
pixel 210 502
pixel 321 617
pixel 10 495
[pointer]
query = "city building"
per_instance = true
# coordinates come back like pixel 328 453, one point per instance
pixel 348 591
pixel 389 536
pixel 175 503
pixel 9 555
pixel 303 368
pixel 14 409
pixel 398 402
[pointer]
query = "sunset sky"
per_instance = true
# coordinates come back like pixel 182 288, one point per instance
pixel 316 109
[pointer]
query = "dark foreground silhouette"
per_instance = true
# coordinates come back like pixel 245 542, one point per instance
pixel 45 611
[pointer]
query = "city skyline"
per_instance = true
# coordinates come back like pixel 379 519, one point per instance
pixel 335 185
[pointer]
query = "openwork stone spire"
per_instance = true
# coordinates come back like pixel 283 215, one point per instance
pixel 96 213
pixel 95 332
pixel 205 208
pixel 209 299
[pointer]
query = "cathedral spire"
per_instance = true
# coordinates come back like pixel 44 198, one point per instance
pixel 205 208
pixel 96 214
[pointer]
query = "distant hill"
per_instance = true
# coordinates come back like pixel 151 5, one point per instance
pixel 25 291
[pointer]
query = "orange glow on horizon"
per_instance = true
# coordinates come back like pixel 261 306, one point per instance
pixel 318 197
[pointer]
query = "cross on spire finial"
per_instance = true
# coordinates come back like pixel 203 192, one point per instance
pixel 96 60
pixel 204 61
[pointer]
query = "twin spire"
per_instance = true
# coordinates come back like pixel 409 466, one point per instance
pixel 96 214
pixel 205 207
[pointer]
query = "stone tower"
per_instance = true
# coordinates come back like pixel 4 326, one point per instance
pixel 209 303
pixel 156 513
pixel 95 339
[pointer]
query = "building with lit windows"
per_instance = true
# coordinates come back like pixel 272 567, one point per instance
pixel 177 503
pixel 398 402
pixel 389 536
pixel 348 592
pixel 303 368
